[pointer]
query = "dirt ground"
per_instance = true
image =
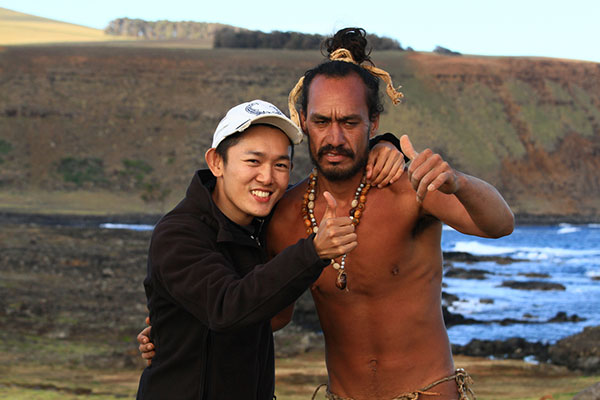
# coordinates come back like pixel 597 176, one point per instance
pixel 72 302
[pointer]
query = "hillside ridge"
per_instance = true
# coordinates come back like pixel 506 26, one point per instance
pixel 18 28
pixel 129 125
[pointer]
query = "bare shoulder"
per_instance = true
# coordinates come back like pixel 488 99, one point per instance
pixel 397 202
pixel 400 192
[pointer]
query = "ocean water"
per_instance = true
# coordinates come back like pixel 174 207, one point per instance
pixel 567 254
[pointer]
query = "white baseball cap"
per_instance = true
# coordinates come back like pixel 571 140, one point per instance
pixel 240 117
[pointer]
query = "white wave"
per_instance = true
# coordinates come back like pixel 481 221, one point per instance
pixel 528 253
pixel 447 228
pixel 131 227
pixel 593 274
pixel 596 226
pixel 478 248
pixel 593 259
pixel 567 229
pixel 467 306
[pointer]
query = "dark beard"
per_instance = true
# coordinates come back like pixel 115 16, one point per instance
pixel 335 174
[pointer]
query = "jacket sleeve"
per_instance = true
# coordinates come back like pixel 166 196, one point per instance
pixel 388 137
pixel 203 281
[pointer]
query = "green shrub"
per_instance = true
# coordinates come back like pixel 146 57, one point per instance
pixel 136 169
pixel 5 148
pixel 81 170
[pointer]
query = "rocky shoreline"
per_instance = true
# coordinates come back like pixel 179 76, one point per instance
pixel 579 352
pixel 94 220
pixel 65 279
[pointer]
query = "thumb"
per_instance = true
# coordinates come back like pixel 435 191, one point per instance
pixel 407 147
pixel 331 210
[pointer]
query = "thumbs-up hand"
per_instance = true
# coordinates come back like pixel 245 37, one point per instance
pixel 428 171
pixel 331 210
pixel 335 235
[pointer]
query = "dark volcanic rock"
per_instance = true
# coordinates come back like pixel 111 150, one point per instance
pixel 578 352
pixel 462 256
pixel 534 275
pixel 448 298
pixel 562 316
pixel 451 319
pixel 515 348
pixel 533 285
pixel 462 273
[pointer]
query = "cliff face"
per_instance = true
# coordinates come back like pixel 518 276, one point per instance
pixel 137 121
pixel 530 126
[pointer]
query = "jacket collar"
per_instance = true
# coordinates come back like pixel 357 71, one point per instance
pixel 200 191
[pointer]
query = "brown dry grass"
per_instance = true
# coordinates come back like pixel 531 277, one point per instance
pixel 298 377
pixel 79 202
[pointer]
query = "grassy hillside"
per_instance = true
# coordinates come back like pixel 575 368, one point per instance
pixel 18 28
pixel 129 125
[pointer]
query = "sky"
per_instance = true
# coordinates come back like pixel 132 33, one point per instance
pixel 551 28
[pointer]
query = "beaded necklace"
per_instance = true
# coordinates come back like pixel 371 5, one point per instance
pixel 358 207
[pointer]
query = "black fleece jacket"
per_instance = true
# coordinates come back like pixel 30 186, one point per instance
pixel 211 294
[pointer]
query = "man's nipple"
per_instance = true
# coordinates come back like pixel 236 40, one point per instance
pixel 373 365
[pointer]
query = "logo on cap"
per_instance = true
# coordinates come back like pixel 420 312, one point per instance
pixel 259 109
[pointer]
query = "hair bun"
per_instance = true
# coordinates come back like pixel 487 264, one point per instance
pixel 352 39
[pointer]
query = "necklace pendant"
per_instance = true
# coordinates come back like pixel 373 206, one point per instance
pixel 340 281
pixel 310 222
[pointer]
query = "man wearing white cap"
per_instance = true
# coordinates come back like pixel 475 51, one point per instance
pixel 211 291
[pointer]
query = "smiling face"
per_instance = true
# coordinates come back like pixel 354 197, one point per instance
pixel 338 126
pixel 255 175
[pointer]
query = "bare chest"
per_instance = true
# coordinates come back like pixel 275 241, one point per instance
pixel 396 249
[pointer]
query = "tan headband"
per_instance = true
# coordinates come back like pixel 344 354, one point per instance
pixel 346 56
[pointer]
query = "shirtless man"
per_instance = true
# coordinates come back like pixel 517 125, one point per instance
pixel 384 333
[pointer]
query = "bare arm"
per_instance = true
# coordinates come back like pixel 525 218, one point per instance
pixel 485 206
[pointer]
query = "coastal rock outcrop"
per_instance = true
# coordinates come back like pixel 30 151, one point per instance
pixel 514 348
pixel 533 285
pixel 578 352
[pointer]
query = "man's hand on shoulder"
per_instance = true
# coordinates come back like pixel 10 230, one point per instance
pixel 385 164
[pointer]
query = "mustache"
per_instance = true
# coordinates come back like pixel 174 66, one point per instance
pixel 335 149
